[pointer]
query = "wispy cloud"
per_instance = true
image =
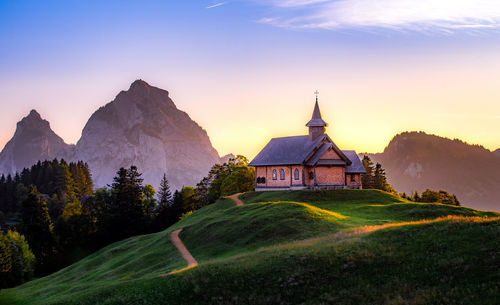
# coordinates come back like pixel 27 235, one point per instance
pixel 414 15
pixel 216 5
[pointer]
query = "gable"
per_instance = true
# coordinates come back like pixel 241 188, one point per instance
pixel 330 154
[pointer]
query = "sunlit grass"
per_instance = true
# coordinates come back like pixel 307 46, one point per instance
pixel 343 247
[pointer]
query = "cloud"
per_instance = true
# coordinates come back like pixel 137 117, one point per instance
pixel 413 15
pixel 216 5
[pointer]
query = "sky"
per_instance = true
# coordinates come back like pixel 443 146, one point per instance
pixel 246 70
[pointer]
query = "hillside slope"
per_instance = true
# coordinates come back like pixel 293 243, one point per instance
pixel 417 161
pixel 347 247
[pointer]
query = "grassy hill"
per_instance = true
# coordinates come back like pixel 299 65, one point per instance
pixel 301 247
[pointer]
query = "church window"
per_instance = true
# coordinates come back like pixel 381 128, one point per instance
pixel 296 174
pixel 282 174
pixel 274 175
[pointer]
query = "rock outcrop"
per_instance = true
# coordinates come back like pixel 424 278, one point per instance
pixel 33 140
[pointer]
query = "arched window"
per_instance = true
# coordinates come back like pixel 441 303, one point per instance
pixel 274 175
pixel 282 174
pixel 296 174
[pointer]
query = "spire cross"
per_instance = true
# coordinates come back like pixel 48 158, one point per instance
pixel 317 93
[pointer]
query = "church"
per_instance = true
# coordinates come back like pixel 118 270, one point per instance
pixel 307 162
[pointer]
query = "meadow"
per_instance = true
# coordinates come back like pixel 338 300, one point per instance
pixel 294 247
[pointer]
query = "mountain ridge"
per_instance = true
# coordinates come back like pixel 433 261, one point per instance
pixel 142 126
pixel 417 161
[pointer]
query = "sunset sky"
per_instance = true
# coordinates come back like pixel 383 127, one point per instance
pixel 246 70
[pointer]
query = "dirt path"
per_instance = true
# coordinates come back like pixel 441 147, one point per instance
pixel 174 236
pixel 236 199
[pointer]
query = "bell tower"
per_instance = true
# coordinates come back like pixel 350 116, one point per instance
pixel 316 124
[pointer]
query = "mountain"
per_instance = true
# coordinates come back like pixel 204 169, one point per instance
pixel 33 140
pixel 417 161
pixel 141 127
pixel 497 152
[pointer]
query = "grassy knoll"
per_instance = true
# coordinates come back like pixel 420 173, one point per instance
pixel 361 247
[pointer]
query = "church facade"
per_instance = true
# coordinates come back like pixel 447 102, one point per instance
pixel 307 162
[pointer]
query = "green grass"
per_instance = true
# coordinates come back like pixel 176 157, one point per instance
pixel 256 254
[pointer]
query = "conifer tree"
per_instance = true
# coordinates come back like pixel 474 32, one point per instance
pixel 380 180
pixel 126 215
pixel 367 180
pixel 164 193
pixel 37 226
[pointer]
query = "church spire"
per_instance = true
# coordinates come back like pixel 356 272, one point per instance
pixel 316 124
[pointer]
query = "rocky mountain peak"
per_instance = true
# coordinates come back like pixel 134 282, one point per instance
pixel 34 115
pixel 139 88
pixel 143 127
pixel 34 122
pixel 33 140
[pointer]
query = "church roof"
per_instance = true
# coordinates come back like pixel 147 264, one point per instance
pixel 301 150
pixel 356 166
pixel 316 120
pixel 286 151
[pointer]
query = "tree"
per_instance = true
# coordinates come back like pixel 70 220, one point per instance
pixel 26 256
pixel 431 196
pixel 187 197
pixel 37 226
pixel 164 194
pixel 242 179
pixel 149 200
pixel 16 259
pixel 416 196
pixel 126 215
pixel 380 180
pixel 367 179
pixel 6 261
pixel 220 172
pixel 176 208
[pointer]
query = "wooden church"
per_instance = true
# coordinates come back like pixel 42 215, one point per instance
pixel 307 162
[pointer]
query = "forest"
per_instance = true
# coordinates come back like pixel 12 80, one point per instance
pixel 51 216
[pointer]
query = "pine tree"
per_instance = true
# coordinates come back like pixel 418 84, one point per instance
pixel 367 179
pixel 380 180
pixel 164 194
pixel 126 215
pixel 37 226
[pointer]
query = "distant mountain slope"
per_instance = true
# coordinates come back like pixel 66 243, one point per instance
pixel 416 161
pixel 33 140
pixel 143 127
pixel 497 152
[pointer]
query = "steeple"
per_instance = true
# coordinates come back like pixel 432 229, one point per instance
pixel 316 124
